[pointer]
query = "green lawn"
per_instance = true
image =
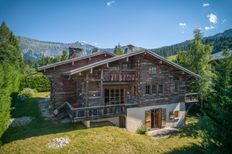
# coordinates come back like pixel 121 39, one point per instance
pixel 34 137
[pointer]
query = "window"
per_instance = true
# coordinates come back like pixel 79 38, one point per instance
pixel 175 86
pixel 114 96
pixel 147 89
pixel 161 89
pixel 153 70
pixel 154 89
pixel 173 115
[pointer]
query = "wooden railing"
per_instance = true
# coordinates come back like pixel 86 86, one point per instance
pixel 122 76
pixel 191 97
pixel 96 112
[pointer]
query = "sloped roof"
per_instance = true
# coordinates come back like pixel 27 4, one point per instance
pixel 115 58
pixel 72 60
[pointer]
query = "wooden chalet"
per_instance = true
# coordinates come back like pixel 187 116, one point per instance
pixel 133 89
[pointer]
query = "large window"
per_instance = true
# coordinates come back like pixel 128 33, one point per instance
pixel 114 96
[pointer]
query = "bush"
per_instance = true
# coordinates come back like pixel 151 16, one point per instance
pixel 37 81
pixel 142 129
pixel 27 92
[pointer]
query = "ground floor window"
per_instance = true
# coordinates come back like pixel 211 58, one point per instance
pixel 114 96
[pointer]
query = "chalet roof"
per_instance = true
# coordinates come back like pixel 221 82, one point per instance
pixel 115 58
pixel 71 60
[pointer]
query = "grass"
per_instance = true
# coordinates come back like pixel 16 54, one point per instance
pixel 34 137
pixel 172 58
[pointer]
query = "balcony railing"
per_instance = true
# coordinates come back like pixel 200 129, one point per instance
pixel 191 97
pixel 116 76
pixel 96 112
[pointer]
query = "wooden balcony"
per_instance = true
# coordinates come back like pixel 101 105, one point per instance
pixel 191 97
pixel 119 76
pixel 96 112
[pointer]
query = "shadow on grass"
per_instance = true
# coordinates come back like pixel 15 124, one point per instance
pixel 38 126
pixel 192 149
pixel 192 127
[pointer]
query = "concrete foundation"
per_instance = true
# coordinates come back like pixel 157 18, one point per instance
pixel 136 116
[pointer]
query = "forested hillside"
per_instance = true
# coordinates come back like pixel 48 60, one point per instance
pixel 218 41
pixel 34 49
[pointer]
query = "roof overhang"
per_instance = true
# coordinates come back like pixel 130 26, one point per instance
pixel 72 60
pixel 106 61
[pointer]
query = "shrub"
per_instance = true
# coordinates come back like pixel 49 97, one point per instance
pixel 142 129
pixel 37 81
pixel 27 92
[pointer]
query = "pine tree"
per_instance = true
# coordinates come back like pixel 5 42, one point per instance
pixel 10 68
pixel 197 59
pixel 217 121
pixel 117 50
pixel 64 55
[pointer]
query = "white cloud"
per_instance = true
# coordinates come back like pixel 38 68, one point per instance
pixel 94 43
pixel 110 3
pixel 205 4
pixel 209 27
pixel 182 24
pixel 212 18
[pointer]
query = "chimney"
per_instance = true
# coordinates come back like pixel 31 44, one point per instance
pixel 75 52
pixel 129 48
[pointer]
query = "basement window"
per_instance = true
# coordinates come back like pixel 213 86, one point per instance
pixel 174 115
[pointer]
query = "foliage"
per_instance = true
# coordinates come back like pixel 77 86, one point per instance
pixel 35 81
pixel 198 60
pixel 27 92
pixel 118 50
pixel 44 60
pixel 64 55
pixel 218 41
pixel 142 129
pixel 10 70
pixel 34 137
pixel 217 121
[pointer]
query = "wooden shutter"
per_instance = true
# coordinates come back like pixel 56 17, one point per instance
pixel 148 119
pixel 176 113
pixel 163 117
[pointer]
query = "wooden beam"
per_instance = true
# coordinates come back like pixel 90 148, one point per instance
pixel 73 62
pixel 91 71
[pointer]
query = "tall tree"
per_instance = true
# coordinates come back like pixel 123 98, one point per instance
pixel 217 121
pixel 198 60
pixel 10 63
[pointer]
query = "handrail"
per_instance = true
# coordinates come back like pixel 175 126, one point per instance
pixel 95 107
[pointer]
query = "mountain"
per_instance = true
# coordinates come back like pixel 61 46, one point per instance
pixel 219 41
pixel 34 49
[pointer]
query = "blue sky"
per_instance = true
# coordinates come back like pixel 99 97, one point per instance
pixel 104 23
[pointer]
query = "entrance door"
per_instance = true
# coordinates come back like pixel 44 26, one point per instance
pixel 158 118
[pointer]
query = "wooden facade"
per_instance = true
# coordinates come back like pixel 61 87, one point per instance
pixel 104 85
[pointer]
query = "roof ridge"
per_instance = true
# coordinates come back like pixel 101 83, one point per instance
pixel 71 60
